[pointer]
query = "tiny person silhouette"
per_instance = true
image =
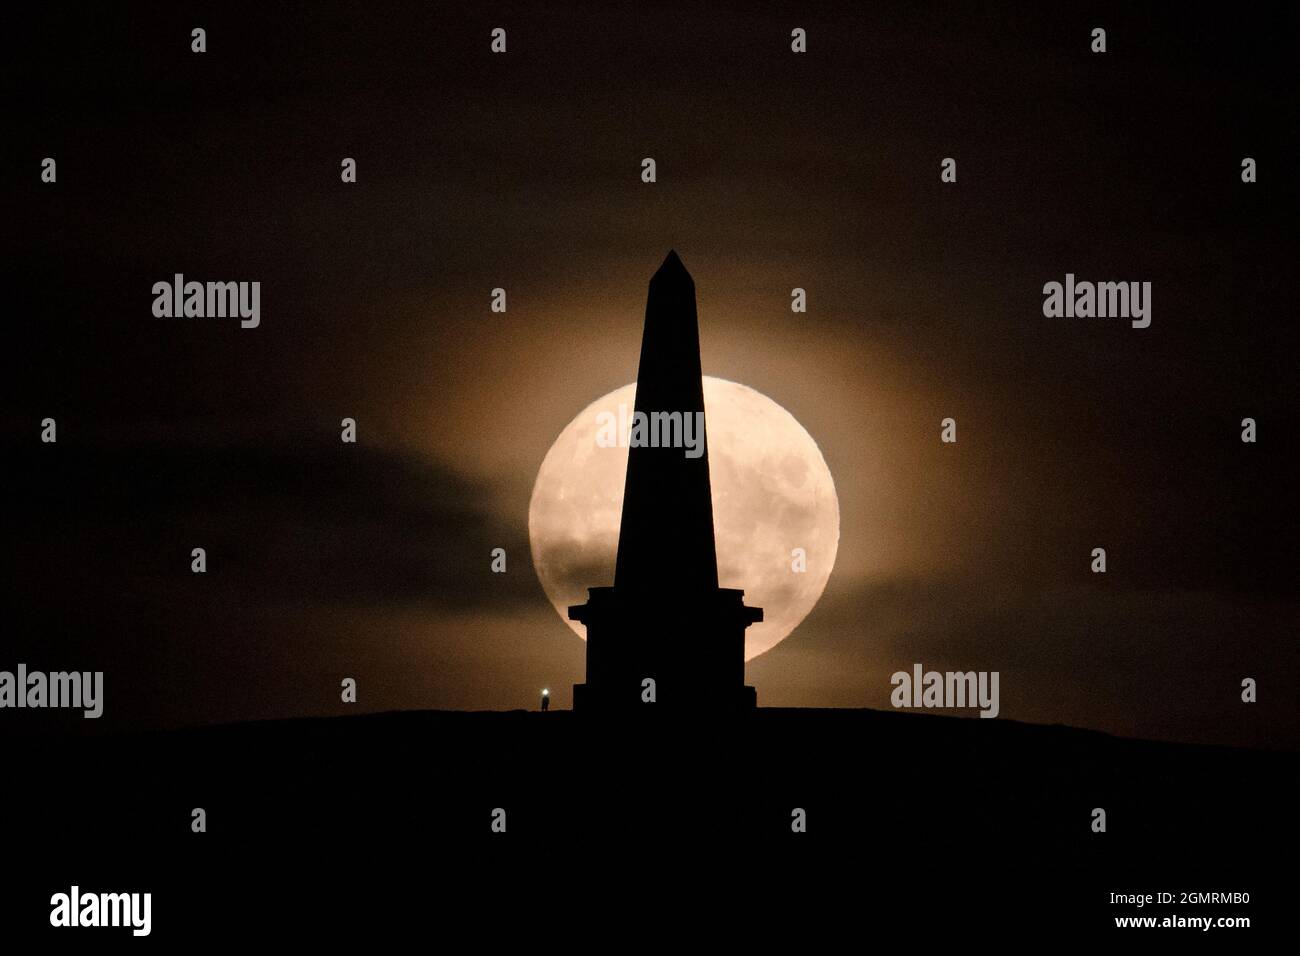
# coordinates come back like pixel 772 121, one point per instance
pixel 546 698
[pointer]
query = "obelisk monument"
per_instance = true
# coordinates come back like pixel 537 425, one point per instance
pixel 665 636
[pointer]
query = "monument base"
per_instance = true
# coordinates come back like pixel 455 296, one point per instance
pixel 686 653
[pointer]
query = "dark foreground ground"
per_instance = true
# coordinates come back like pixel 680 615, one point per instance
pixel 652 834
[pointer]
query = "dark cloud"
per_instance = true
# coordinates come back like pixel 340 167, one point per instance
pixel 324 559
pixel 306 519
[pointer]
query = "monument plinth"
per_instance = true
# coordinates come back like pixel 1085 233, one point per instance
pixel 665 618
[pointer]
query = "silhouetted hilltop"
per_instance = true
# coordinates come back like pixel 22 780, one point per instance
pixel 972 809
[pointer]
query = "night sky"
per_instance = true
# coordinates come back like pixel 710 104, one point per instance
pixel 775 171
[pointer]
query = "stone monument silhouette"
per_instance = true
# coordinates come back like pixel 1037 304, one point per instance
pixel 665 619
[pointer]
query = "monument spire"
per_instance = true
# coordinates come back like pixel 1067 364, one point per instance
pixel 665 635
pixel 666 535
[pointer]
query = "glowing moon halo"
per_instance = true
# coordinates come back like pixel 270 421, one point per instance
pixel 772 493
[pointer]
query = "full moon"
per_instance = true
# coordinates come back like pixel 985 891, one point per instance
pixel 772 496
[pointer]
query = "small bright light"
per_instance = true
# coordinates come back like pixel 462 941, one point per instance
pixel 546 692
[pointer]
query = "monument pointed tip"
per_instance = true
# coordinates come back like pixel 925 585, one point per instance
pixel 673 268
